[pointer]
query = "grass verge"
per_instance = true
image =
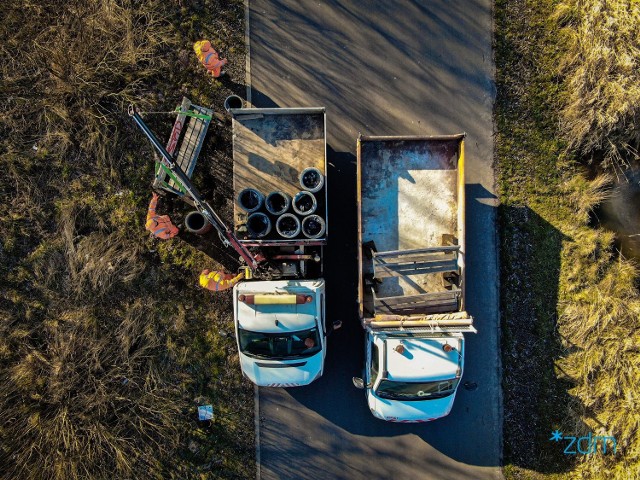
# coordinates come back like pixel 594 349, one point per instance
pixel 569 303
pixel 107 345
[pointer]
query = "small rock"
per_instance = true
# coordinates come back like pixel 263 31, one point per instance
pixel 193 446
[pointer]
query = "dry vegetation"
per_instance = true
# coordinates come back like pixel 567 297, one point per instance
pixel 601 63
pixel 570 302
pixel 106 344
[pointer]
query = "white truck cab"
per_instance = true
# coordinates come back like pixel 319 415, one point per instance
pixel 280 330
pixel 411 378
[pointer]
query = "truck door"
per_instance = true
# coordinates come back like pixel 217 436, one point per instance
pixel 372 363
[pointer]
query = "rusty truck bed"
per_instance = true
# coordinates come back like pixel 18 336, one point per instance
pixel 271 147
pixel 411 224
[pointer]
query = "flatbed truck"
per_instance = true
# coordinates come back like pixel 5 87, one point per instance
pixel 280 319
pixel 280 229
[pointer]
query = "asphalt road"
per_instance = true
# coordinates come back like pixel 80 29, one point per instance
pixel 384 68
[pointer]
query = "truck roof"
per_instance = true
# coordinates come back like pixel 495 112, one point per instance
pixel 422 359
pixel 291 318
pixel 271 147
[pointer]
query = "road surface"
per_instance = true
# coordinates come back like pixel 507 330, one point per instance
pixel 384 68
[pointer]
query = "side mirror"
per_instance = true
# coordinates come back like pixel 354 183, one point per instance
pixel 337 324
pixel 225 334
pixel 358 382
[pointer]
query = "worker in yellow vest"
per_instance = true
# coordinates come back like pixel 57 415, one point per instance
pixel 209 57
pixel 217 281
pixel 159 225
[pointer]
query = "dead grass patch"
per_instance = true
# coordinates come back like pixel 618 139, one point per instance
pixel 601 113
pixel 106 345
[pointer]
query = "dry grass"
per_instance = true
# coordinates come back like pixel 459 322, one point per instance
pixel 600 327
pixel 87 61
pixel 585 196
pixel 90 402
pixel 570 303
pixel 81 384
pixel 106 346
pixel 604 363
pixel 601 116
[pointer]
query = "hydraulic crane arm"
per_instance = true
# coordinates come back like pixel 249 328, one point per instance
pixel 226 234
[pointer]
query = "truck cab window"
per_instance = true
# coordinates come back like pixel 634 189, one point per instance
pixel 322 317
pixel 374 362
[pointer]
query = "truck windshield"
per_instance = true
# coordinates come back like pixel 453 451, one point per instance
pixel 407 391
pixel 280 346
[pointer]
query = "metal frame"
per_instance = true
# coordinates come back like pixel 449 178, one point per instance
pixel 416 261
pixel 180 137
pixel 227 236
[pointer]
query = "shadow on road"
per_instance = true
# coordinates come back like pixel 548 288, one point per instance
pixel 384 68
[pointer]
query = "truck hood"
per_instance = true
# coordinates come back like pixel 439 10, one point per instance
pixel 409 412
pixel 282 373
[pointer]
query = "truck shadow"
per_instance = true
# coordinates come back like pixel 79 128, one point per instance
pixel 531 349
pixel 536 394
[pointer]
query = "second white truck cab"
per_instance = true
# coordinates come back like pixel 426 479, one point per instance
pixel 280 331
pixel 412 378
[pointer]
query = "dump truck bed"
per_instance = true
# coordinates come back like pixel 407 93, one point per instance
pixel 411 224
pixel 271 147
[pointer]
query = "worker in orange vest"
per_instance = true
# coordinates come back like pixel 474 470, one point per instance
pixel 217 281
pixel 209 57
pixel 159 225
